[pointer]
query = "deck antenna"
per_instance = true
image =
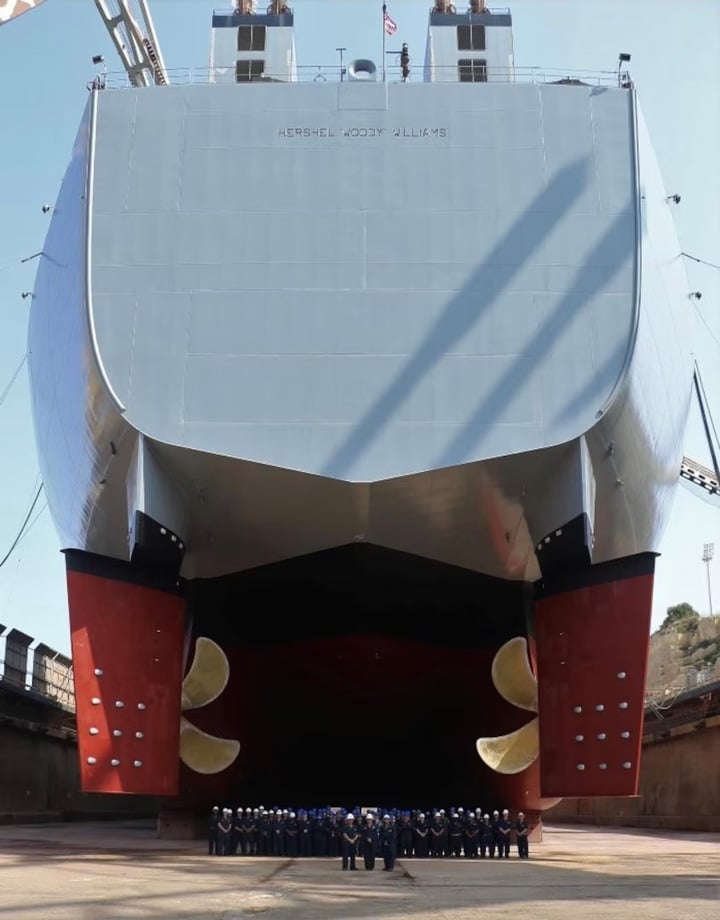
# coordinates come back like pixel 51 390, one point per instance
pixel 137 45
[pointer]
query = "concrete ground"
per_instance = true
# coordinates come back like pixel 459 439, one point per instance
pixel 120 872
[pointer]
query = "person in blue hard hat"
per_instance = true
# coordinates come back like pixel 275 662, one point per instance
pixel 471 837
pixel 405 836
pixel 388 843
pixel 333 835
pixel 213 831
pixel 304 834
pixel 318 833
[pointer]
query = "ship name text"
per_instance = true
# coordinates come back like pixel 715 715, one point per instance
pixel 417 132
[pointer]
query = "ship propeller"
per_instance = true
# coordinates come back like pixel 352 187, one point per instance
pixel 205 681
pixel 515 682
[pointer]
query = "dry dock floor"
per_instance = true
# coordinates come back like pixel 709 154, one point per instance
pixel 114 871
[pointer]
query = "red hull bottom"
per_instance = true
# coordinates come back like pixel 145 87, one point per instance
pixel 380 704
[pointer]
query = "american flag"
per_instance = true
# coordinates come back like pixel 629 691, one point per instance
pixel 390 24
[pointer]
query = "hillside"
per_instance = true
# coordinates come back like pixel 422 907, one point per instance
pixel 684 652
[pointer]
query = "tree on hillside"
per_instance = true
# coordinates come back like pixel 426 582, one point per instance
pixel 680 613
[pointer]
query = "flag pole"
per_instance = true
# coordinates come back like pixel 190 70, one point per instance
pixel 384 14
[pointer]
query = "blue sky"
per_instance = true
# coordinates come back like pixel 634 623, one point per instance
pixel 45 62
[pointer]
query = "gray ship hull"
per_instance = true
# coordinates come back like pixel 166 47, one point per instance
pixel 445 321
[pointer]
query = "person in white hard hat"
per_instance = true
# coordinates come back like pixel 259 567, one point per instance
pixel 291 835
pixel 504 827
pixel 495 827
pixel 522 832
pixel 421 836
pixel 349 842
pixel 369 841
pixel 388 843
pixel 264 836
pixel 224 832
pixel 486 847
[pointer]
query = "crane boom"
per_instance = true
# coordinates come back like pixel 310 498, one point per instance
pixel 136 45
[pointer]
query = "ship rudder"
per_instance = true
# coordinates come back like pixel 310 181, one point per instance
pixel 128 634
pixel 592 629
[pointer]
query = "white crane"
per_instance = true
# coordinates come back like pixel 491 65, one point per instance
pixel 137 45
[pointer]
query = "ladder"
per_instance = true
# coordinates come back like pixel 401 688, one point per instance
pixel 137 47
pixel 700 480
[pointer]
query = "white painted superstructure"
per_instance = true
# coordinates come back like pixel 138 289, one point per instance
pixel 249 46
pixel 472 47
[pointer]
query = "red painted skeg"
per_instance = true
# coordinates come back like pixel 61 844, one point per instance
pixel 591 657
pixel 127 643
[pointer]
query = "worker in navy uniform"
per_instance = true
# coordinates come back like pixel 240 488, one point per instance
pixel 236 832
pixel 504 828
pixel 265 834
pixel 213 831
pixel 422 836
pixel 304 834
pixel 369 841
pixel 495 828
pixel 455 834
pixel 278 837
pixel 472 834
pixel 291 835
pixel 444 820
pixel 486 837
pixel 246 823
pixel 253 832
pixel 349 842
pixel 225 833
pixel 405 836
pixel 437 836
pixel 388 843
pixel 521 833
pixel 333 836
pixel 319 834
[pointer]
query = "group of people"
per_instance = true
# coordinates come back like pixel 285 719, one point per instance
pixel 388 833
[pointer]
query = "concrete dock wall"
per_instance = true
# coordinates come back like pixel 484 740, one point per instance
pixel 679 786
pixel 40 781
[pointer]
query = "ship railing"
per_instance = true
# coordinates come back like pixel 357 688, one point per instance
pixel 253 7
pixel 461 7
pixel 332 73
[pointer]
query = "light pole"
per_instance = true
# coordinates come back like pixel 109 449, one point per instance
pixel 708 553
pixel 342 68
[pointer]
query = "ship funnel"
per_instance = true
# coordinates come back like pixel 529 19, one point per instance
pixel 362 70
